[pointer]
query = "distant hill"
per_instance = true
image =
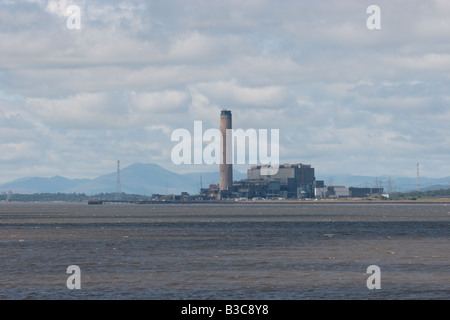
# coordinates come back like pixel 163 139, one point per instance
pixel 435 187
pixel 137 178
pixel 42 185
pixel 140 178
pixel 146 179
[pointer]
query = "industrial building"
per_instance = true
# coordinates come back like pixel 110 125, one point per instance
pixel 291 181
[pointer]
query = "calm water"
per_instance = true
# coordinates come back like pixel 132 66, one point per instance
pixel 237 251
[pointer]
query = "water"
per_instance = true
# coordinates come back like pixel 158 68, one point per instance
pixel 236 251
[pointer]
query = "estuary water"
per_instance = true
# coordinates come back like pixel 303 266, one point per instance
pixel 268 251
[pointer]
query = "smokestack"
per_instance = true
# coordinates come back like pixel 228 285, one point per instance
pixel 226 170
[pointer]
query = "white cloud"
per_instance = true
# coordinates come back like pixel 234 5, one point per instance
pixel 83 110
pixel 430 62
pixel 160 102
pixel 231 93
pixel 105 110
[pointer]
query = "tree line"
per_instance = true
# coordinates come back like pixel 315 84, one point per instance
pixel 69 197
pixel 441 193
pixel 82 197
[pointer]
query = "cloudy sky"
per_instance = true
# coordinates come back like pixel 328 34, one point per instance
pixel 346 99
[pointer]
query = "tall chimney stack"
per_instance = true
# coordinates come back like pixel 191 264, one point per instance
pixel 226 170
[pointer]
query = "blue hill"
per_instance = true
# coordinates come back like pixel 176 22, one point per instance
pixel 146 179
pixel 138 178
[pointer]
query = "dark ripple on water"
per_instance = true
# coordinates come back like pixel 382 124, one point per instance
pixel 224 252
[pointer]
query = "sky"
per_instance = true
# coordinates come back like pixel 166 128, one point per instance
pixel 346 99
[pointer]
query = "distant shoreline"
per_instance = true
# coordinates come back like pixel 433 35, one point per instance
pixel 249 202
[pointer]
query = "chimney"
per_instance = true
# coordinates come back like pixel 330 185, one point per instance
pixel 226 169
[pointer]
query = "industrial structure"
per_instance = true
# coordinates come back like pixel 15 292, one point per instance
pixel 292 181
pixel 226 166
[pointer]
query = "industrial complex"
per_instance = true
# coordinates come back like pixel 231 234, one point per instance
pixel 291 181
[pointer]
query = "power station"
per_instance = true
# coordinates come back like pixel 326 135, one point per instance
pixel 291 181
